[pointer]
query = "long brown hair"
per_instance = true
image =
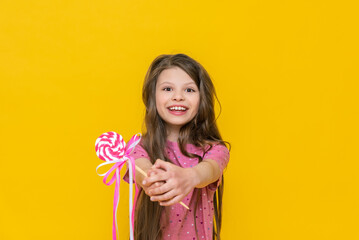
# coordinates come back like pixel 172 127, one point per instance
pixel 202 131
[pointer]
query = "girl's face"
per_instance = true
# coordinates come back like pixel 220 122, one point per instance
pixel 177 97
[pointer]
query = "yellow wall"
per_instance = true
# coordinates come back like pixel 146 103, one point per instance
pixel 286 73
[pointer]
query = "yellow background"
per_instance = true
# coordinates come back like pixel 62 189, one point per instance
pixel 286 74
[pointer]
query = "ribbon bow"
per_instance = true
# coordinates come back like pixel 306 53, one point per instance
pixel 111 148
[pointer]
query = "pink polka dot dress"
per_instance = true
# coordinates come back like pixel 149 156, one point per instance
pixel 177 222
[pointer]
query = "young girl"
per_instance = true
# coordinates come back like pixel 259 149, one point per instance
pixel 182 152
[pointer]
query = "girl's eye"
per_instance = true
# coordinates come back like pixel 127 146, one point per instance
pixel 167 89
pixel 190 90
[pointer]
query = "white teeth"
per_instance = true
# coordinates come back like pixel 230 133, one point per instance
pixel 177 108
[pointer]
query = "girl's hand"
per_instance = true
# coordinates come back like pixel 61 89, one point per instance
pixel 178 182
pixel 147 187
pixel 151 172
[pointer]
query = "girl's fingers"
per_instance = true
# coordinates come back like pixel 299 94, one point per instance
pixel 159 189
pixel 150 173
pixel 172 201
pixel 154 171
pixel 160 164
pixel 155 178
pixel 154 186
pixel 164 197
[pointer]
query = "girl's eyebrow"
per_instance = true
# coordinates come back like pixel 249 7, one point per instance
pixel 165 83
pixel 187 83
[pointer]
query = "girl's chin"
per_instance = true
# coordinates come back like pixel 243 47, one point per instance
pixel 174 125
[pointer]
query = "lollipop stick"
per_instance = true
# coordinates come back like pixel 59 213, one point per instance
pixel 145 174
pixel 141 171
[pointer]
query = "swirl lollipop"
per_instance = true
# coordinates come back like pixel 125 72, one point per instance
pixel 111 148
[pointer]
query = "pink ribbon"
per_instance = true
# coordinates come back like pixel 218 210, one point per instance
pixel 111 148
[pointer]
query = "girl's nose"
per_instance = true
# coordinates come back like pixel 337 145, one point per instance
pixel 177 96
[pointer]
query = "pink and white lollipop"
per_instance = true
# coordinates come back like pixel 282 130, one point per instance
pixel 111 148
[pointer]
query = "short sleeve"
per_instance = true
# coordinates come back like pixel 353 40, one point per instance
pixel 138 152
pixel 220 154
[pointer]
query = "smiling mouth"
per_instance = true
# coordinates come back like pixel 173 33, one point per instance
pixel 178 108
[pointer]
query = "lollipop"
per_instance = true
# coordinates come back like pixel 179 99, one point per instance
pixel 111 148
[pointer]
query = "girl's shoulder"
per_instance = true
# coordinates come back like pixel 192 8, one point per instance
pixel 209 148
pixel 139 151
pixel 219 153
pixel 215 145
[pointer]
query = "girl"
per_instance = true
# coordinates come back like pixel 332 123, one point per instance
pixel 182 152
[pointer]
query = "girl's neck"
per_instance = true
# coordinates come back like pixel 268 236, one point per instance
pixel 173 133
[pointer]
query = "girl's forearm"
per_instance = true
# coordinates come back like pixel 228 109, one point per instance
pixel 205 173
pixel 145 164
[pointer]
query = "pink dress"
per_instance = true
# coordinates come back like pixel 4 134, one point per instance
pixel 180 223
